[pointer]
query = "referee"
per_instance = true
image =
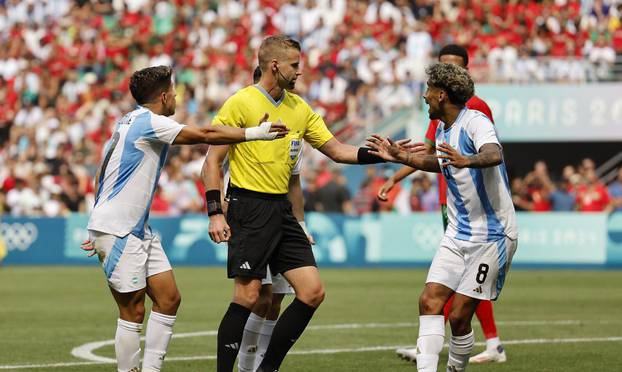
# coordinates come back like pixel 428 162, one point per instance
pixel 260 226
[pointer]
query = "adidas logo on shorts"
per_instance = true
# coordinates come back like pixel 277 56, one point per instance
pixel 233 346
pixel 478 290
pixel 245 266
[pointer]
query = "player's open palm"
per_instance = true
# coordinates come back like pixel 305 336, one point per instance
pixel 452 156
pixel 219 230
pixel 385 147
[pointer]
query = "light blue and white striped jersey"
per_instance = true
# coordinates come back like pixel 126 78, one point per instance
pixel 479 201
pixel 130 171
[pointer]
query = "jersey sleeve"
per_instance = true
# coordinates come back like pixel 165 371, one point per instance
pixel 231 113
pixel 482 131
pixel 316 134
pixel 430 134
pixel 164 129
pixel 298 166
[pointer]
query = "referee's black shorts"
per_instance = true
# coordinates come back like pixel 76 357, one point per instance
pixel 264 231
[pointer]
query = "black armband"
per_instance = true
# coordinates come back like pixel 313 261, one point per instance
pixel 214 206
pixel 364 157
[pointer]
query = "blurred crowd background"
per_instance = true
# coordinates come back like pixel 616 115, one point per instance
pixel 65 65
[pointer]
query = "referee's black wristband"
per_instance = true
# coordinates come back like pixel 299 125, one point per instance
pixel 364 157
pixel 214 206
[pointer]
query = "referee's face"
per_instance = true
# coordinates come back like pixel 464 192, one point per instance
pixel 288 69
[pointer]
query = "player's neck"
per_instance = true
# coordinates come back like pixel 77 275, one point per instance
pixel 451 114
pixel 156 108
pixel 271 86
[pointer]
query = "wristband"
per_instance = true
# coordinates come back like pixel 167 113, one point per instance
pixel 214 206
pixel 260 132
pixel 304 227
pixel 364 157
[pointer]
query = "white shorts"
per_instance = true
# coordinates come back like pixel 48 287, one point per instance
pixel 129 261
pixel 475 270
pixel 280 285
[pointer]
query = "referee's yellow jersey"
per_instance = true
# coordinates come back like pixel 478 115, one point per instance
pixel 265 166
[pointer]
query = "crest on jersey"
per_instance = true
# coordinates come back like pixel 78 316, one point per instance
pixel 294 148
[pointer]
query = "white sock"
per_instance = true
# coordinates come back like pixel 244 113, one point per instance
pixel 127 345
pixel 430 342
pixel 459 350
pixel 264 340
pixel 158 335
pixel 249 344
pixel 493 343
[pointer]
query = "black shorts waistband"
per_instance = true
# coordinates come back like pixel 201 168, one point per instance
pixel 235 191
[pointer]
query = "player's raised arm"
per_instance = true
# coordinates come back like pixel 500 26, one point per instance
pixel 223 135
pixel 396 152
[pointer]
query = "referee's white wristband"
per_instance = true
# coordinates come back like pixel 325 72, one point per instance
pixel 304 227
pixel 260 132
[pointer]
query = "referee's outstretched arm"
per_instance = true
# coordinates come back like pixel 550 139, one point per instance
pixel 348 154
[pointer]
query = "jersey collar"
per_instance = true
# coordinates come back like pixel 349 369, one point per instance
pixel 269 97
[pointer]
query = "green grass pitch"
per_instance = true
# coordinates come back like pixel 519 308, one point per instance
pixel 550 320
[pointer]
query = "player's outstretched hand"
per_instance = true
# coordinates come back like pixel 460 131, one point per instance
pixel 418 148
pixel 452 157
pixel 88 246
pixel 266 131
pixel 219 230
pixel 385 189
pixel 385 147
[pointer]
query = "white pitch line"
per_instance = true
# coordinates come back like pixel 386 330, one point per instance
pixel 86 351
pixel 344 350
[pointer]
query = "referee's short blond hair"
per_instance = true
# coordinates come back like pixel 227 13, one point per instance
pixel 453 79
pixel 274 47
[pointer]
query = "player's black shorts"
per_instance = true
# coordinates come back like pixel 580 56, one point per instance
pixel 264 231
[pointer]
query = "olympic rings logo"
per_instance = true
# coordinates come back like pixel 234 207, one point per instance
pixel 19 236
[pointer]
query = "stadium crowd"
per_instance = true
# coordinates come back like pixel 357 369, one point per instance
pixel 64 69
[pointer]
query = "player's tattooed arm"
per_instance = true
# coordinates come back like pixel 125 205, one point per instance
pixel 489 155
pixel 404 152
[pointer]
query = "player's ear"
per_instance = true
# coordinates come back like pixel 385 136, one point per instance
pixel 275 66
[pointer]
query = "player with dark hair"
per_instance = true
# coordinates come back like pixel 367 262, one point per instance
pixel 260 226
pixel 494 352
pixel 481 237
pixel 132 257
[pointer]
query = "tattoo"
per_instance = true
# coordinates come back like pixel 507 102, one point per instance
pixel 489 155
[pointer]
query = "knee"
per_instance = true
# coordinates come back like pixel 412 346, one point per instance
pixel 134 313
pixel 313 296
pixel 169 304
pixel 430 304
pixel 247 298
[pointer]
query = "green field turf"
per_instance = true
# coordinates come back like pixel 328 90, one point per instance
pixel 574 316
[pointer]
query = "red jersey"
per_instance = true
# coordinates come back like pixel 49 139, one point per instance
pixel 475 103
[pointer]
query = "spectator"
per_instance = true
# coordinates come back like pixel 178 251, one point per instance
pixel 334 196
pixel 592 195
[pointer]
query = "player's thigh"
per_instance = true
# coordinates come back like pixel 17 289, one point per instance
pixel 448 264
pixel 487 267
pixel 123 261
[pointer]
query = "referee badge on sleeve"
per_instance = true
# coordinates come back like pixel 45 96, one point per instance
pixel 294 148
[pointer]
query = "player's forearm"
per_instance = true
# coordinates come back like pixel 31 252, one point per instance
pixel 402 173
pixel 489 156
pixel 223 135
pixel 428 163
pixel 296 197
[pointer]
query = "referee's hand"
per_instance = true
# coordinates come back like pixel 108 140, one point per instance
pixel 219 230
